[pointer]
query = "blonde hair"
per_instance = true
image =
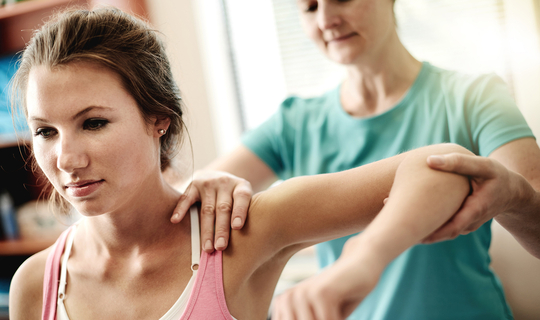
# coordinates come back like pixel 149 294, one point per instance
pixel 120 42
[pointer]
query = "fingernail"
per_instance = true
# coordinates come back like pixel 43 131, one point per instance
pixel 220 243
pixel 176 216
pixel 437 160
pixel 208 245
pixel 237 222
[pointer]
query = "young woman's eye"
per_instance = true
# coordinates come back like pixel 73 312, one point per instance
pixel 95 124
pixel 44 132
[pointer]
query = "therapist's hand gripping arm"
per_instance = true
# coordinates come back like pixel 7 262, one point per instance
pixel 505 186
pixel 224 189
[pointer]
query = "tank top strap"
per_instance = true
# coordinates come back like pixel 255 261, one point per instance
pixel 50 281
pixel 195 239
pixel 63 268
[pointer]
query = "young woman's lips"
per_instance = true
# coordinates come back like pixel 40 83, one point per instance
pixel 83 188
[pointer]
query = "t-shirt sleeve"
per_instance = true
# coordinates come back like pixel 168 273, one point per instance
pixel 493 116
pixel 272 141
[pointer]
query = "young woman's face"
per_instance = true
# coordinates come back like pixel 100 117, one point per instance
pixel 348 31
pixel 89 137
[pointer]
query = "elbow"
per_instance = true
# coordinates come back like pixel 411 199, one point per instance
pixel 416 166
pixel 445 148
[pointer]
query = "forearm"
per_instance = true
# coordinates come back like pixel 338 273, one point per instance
pixel 521 180
pixel 349 201
pixel 421 200
pixel 522 219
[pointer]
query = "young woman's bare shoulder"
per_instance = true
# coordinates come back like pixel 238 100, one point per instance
pixel 26 289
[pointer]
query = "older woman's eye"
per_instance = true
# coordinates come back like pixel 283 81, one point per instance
pixel 312 7
pixel 95 124
pixel 44 132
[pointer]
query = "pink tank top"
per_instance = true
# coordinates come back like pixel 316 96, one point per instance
pixel 206 301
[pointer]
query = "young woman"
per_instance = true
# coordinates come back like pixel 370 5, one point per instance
pixel 106 115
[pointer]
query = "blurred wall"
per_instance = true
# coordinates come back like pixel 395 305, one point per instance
pixel 519 273
pixel 175 19
pixel 523 30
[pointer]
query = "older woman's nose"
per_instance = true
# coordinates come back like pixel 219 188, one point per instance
pixel 71 155
pixel 327 15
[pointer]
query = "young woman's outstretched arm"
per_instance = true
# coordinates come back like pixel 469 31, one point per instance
pixel 307 210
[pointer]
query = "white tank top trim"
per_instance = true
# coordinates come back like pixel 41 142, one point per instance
pixel 175 312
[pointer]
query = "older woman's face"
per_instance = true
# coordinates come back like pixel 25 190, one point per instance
pixel 89 137
pixel 348 31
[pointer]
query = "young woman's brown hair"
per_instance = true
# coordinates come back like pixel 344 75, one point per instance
pixel 120 42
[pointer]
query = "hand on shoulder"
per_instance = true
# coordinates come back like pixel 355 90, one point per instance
pixel 224 201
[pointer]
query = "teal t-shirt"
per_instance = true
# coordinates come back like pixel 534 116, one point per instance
pixel 447 280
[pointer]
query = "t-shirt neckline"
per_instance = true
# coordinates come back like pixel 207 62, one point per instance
pixel 409 95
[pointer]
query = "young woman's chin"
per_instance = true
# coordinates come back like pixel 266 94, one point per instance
pixel 87 209
pixel 89 206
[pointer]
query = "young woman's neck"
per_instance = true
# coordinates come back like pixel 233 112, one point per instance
pixel 377 82
pixel 131 229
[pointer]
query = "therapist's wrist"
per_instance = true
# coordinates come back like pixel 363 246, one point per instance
pixel 524 200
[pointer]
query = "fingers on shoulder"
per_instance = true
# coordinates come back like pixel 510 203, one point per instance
pixel 243 190
pixel 242 197
pixel 184 203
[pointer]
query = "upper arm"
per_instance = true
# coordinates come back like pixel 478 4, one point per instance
pixel 310 209
pixel 245 164
pixel 26 290
pixel 521 156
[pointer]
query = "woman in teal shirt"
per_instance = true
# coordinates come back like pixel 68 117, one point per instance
pixel 388 103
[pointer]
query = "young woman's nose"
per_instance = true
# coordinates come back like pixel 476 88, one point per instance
pixel 327 15
pixel 71 155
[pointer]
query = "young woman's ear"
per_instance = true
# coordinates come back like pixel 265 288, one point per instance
pixel 161 125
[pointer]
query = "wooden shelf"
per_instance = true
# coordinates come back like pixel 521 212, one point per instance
pixel 12 140
pixel 29 6
pixel 25 246
pixel 18 21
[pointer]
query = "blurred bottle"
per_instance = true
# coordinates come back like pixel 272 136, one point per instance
pixel 9 225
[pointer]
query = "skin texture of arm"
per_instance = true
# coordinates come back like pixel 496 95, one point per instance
pixel 26 294
pixel 306 210
pixel 505 187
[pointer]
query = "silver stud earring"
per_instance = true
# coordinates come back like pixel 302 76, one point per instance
pixel 162 131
